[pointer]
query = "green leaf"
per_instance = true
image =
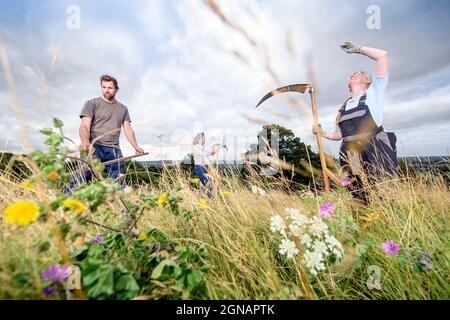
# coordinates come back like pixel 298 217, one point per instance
pixel 57 123
pixel 160 267
pixel 158 236
pixel 22 277
pixel 193 279
pixel 177 272
pixel 65 228
pixel 102 281
pixel 43 216
pixel 43 245
pixel 56 203
pixel 127 283
pixel 47 131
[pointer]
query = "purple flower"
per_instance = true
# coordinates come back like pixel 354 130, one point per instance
pixel 55 273
pixel 425 263
pixel 345 182
pixel 326 209
pixel 98 239
pixel 175 258
pixel 169 248
pixel 390 247
pixel 49 273
pixel 48 290
pixel 426 255
pixel 156 248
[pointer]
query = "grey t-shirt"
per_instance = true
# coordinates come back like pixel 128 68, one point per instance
pixel 106 116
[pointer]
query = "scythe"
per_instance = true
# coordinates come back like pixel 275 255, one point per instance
pixel 308 88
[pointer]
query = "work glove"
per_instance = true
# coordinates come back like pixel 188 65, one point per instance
pixel 350 47
pixel 314 131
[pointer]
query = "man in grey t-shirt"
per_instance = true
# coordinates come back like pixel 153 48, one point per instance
pixel 101 122
pixel 106 119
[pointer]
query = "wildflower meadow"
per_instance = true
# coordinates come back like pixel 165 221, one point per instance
pixel 253 239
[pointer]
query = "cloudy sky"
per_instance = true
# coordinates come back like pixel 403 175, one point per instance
pixel 183 68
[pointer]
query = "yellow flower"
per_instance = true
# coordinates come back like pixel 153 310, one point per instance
pixel 142 235
pixel 27 184
pixel 53 176
pixel 162 200
pixel 79 240
pixel 22 213
pixel 195 180
pixel 226 193
pixel 202 203
pixel 75 205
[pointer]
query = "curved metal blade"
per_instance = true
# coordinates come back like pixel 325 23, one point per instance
pixel 301 88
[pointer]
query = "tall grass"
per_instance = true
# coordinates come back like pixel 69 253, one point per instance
pixel 244 260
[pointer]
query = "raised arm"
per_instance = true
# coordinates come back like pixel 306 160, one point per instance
pixel 380 56
pixel 131 137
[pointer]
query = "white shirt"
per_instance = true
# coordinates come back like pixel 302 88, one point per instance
pixel 374 98
pixel 199 155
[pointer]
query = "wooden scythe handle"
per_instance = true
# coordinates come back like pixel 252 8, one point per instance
pixel 323 162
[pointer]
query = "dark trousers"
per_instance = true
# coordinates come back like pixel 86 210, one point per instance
pixel 112 170
pixel 201 172
pixel 378 160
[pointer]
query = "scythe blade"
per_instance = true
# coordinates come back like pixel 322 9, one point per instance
pixel 300 88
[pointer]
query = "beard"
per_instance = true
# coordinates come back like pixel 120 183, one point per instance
pixel 109 96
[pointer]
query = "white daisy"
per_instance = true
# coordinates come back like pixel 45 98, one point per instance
pixel 306 240
pixel 297 218
pixel 314 262
pixel 320 247
pixel 288 248
pixel 318 227
pixel 277 225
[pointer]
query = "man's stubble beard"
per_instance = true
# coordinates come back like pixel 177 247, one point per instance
pixel 109 97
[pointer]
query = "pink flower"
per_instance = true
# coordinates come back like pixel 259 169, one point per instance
pixel 425 263
pixel 326 209
pixel 390 247
pixel 345 182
